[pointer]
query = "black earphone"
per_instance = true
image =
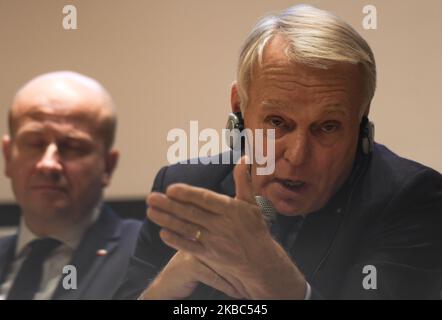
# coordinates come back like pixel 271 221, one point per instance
pixel 366 134
pixel 235 121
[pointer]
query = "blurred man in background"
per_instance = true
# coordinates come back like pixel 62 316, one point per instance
pixel 59 157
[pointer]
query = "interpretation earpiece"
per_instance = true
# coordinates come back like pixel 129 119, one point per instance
pixel 367 135
pixel 234 121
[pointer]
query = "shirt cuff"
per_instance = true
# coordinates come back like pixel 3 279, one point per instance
pixel 308 292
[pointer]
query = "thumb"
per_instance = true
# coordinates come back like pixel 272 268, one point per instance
pixel 243 181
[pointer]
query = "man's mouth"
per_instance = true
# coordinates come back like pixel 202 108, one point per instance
pixel 293 185
pixel 49 188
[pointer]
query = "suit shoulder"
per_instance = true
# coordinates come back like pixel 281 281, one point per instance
pixel 393 172
pixel 7 241
pixel 205 173
pixel 131 225
pixel 126 229
pixel 390 181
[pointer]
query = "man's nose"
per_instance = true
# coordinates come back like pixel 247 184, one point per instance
pixel 50 161
pixel 297 148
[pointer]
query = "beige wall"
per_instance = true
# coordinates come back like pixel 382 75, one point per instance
pixel 169 62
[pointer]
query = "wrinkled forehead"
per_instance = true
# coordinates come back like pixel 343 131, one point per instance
pixel 277 52
pixel 277 73
pixel 306 76
pixel 297 76
pixel 65 121
pixel 58 104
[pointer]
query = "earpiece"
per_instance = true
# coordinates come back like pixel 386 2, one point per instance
pixel 367 135
pixel 234 121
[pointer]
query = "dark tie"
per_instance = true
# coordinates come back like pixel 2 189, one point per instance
pixel 285 229
pixel 27 281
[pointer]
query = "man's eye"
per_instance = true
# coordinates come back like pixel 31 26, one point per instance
pixel 34 144
pixel 329 127
pixel 71 148
pixel 275 121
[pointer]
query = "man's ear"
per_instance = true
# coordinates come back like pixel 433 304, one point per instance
pixel 111 162
pixel 7 150
pixel 366 110
pixel 234 98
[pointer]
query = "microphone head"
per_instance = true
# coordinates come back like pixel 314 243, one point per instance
pixel 267 209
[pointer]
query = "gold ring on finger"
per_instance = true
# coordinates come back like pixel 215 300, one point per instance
pixel 198 235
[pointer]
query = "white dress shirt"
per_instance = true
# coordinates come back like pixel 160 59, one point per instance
pixel 54 263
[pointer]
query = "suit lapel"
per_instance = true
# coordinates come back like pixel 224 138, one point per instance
pixel 315 240
pixel 320 229
pixel 7 246
pixel 227 185
pixel 103 235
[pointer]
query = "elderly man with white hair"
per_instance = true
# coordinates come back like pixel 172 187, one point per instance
pixel 352 220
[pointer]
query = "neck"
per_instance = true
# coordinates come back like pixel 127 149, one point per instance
pixel 59 225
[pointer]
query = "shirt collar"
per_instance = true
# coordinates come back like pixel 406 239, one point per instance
pixel 70 237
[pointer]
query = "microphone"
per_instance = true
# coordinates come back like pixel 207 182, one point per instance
pixel 267 209
pixel 286 232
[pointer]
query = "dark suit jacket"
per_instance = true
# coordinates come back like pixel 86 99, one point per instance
pixel 388 215
pixel 98 277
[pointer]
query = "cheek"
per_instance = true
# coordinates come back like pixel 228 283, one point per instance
pixel 333 165
pixel 19 169
pixel 20 174
pixel 87 172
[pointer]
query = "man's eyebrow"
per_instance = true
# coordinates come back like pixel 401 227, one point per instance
pixel 335 108
pixel 38 129
pixel 34 128
pixel 77 137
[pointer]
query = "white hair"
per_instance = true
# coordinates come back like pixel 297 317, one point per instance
pixel 315 38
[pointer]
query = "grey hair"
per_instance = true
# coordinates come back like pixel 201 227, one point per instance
pixel 315 38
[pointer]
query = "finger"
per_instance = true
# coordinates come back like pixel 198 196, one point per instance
pixel 168 221
pixel 209 277
pixel 203 198
pixel 184 211
pixel 243 181
pixel 177 242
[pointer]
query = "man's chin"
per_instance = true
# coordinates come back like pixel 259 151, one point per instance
pixel 50 209
pixel 290 209
pixel 287 206
pixel 288 202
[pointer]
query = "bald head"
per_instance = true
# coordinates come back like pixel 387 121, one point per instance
pixel 65 92
pixel 58 154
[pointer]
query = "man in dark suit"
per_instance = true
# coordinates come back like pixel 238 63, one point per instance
pixel 352 219
pixel 59 157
